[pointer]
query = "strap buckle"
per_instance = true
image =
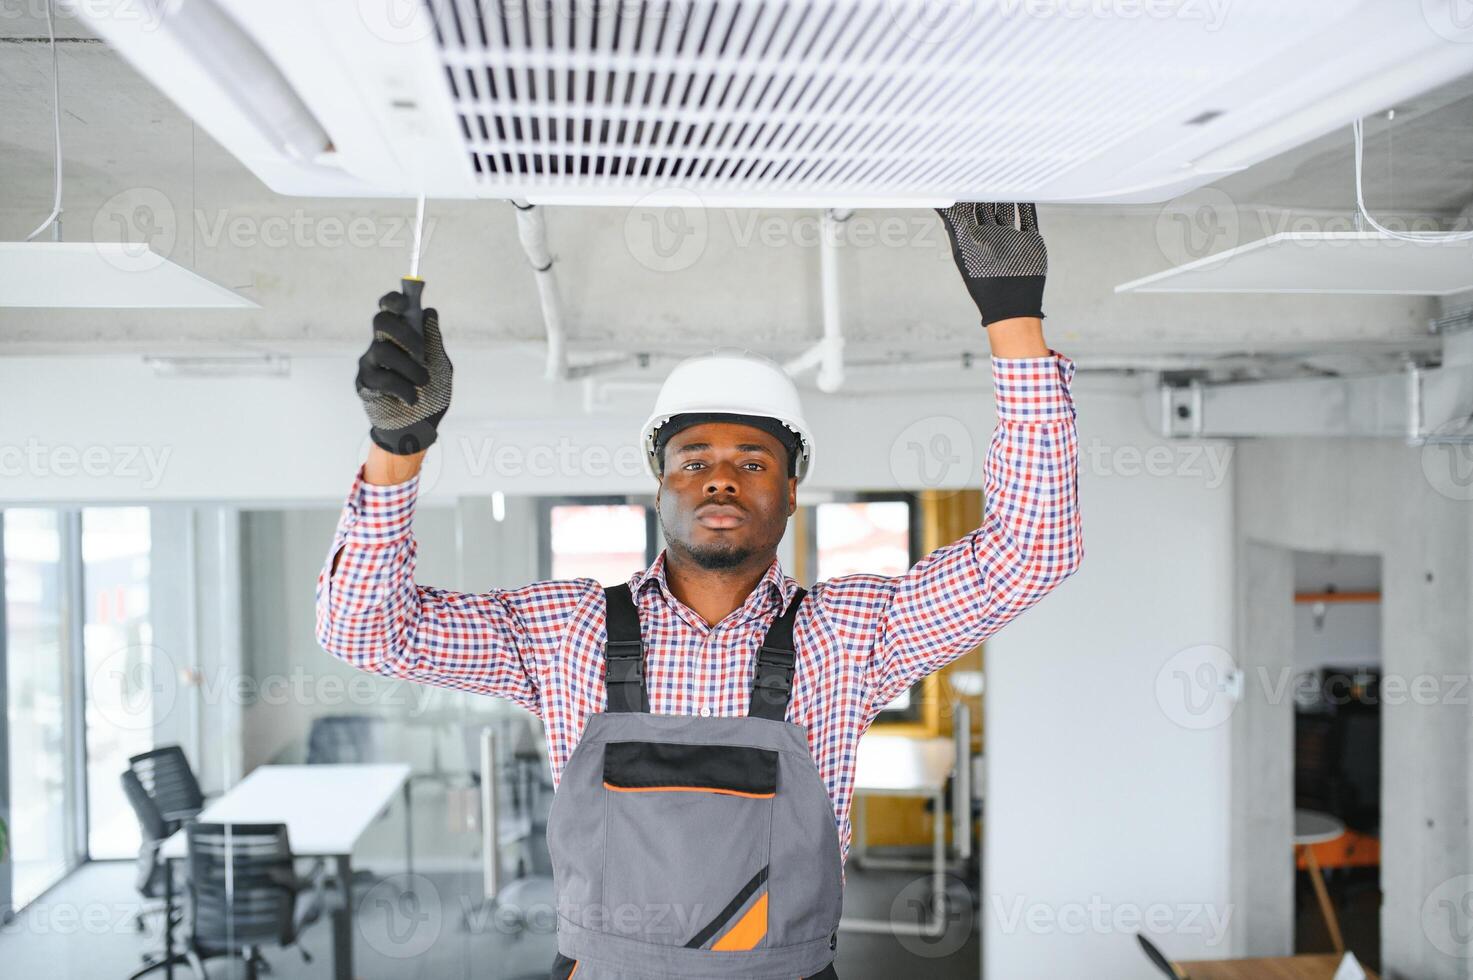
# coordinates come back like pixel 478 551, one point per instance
pixel 775 669
pixel 624 662
pixel 776 657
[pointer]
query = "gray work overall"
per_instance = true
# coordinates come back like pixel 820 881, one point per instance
pixel 694 847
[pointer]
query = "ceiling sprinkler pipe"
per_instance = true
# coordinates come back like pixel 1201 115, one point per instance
pixel 532 230
pixel 831 359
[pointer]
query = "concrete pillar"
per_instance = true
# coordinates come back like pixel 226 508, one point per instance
pixel 1263 757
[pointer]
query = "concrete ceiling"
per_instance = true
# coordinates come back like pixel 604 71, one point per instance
pixel 1419 161
pixel 136 168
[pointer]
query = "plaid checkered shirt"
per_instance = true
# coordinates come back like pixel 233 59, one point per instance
pixel 861 640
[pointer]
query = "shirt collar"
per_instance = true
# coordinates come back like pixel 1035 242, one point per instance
pixel 772 593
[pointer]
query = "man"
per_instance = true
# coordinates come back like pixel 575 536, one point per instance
pixel 703 719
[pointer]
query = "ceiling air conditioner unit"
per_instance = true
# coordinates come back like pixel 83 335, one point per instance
pixel 783 102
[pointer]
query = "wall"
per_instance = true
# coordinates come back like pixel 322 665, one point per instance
pixel 1095 793
pixel 194 613
pixel 299 438
pixel 1382 497
pixel 1350 636
pixel 1104 803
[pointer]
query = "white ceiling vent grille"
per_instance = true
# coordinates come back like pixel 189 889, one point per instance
pixel 770 98
pixel 800 102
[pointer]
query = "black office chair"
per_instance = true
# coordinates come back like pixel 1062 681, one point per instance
pixel 154 830
pixel 244 893
pixel 165 775
pixel 345 740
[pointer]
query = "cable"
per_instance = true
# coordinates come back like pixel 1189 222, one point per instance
pixel 55 214
pixel 1423 237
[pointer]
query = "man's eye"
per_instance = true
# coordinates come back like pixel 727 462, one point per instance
pixel 690 464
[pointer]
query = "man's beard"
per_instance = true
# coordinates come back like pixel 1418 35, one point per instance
pixel 718 557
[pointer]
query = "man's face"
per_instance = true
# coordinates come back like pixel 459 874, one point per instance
pixel 726 495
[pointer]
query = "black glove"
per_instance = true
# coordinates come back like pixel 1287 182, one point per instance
pixel 1004 266
pixel 404 377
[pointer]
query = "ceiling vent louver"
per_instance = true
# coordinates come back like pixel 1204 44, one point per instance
pixel 800 102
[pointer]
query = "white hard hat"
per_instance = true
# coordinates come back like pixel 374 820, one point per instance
pixel 734 382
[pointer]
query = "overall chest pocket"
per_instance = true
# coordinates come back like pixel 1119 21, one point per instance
pixel 688 842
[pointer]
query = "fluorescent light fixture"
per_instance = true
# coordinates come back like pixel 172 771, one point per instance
pixel 104 275
pixel 220 366
pixel 1324 263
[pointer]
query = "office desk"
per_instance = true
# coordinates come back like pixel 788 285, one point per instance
pixel 326 809
pixel 894 765
pixel 1321 967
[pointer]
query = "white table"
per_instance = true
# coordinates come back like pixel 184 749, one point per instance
pixel 326 809
pixel 894 765
pixel 1310 828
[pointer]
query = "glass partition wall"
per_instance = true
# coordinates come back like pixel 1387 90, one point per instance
pixel 37 680
pixel 178 643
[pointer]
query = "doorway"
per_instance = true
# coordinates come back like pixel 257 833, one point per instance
pixel 1337 671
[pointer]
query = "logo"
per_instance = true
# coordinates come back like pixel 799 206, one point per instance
pixel 1196 225
pixel 1198 688
pixel 143 222
pixel 1451 20
pixel 667 230
pixel 917 905
pixel 134 687
pixel 1447 459
pixel 401 916
pixel 931 453
pixel 933 21
pixel 430 467
pixel 1447 917
pixel 397 21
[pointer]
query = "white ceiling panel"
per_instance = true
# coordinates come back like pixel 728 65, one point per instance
pixel 1322 262
pixel 104 275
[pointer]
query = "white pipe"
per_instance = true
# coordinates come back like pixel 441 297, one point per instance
pixel 831 368
pixel 595 390
pixel 532 231
pixel 808 359
pixel 828 353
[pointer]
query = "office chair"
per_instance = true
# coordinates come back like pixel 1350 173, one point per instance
pixel 345 740
pixel 154 830
pixel 244 893
pixel 161 788
pixel 166 777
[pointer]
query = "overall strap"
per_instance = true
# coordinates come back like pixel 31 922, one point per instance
pixel 623 653
pixel 773 684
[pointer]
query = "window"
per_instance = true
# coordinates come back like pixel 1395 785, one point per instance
pixel 36 654
pixel 863 536
pixel 604 538
pixel 122 669
pixel 867 532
